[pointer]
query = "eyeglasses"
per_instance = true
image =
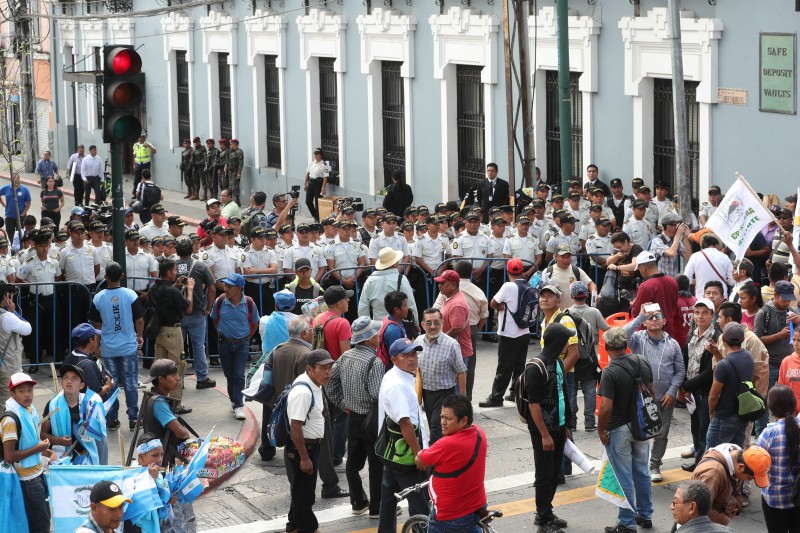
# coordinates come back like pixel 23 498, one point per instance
pixel 677 502
pixel 433 323
pixel 656 317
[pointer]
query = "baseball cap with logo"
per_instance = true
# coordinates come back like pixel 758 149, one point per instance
pixel 616 182
pixel 714 189
pixel 109 494
pixel 175 220
pixel 645 257
pixel 448 275
pixel 157 209
pixel 301 264
pixel 603 221
pixel 237 280
pixel 403 346
pixel 563 249
pixel 555 289
pixel 132 235
pixel 522 219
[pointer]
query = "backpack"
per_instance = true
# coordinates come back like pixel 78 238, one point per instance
pixel 151 195
pixel 279 427
pixel 16 420
pixel 521 388
pixel 587 365
pixel 527 306
pixel 247 221
pixel 318 342
pixel 751 403
pixel 645 421
pixel 575 272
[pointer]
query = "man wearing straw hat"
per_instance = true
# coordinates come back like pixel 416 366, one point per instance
pixel 385 279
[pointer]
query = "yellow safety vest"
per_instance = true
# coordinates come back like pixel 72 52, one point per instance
pixel 141 153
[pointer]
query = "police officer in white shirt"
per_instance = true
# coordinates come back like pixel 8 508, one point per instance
pixel 303 248
pixel 79 266
pixel 220 258
pixel 707 208
pixel 430 249
pixel 473 243
pixel 566 235
pixel 37 305
pixel 388 238
pixel 638 227
pixel 97 231
pixel 345 254
pixel 524 247
pixel 599 247
pixel 157 226
pixel 651 211
pixel 139 265
pixel 587 228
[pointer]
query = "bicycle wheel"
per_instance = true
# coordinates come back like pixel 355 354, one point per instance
pixel 416 524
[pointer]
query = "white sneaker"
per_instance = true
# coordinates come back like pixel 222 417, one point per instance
pixel 239 413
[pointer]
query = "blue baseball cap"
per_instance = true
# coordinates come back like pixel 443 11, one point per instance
pixel 403 346
pixel 84 332
pixel 77 210
pixel 285 300
pixel 234 279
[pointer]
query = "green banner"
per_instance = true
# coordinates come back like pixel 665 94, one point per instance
pixel 777 81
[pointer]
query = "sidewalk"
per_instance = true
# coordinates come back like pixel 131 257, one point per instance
pixel 210 408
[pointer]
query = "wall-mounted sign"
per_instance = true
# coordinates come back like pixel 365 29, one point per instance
pixel 732 96
pixel 778 68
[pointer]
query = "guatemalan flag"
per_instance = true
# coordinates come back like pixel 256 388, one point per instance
pixel 70 487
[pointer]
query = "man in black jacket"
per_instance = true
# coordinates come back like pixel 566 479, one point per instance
pixel 492 191
pixel 547 415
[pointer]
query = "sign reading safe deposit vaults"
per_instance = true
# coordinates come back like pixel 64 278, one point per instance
pixel 777 81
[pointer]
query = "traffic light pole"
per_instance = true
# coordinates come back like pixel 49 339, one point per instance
pixel 118 203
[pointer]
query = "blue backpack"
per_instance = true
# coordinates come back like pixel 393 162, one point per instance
pixel 527 306
pixel 279 428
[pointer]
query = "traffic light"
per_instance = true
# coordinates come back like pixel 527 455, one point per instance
pixel 123 93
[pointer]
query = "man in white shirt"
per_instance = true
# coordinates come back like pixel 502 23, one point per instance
pixel 397 404
pixel 92 175
pixel 156 227
pixel 304 407
pixel 742 273
pixel 709 264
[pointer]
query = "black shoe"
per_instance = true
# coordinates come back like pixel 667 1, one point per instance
pixel 214 362
pixel 360 508
pixel 207 383
pixel 488 402
pixel 113 424
pixel 689 467
pixel 559 522
pixel 183 410
pixel 619 528
pixel 644 522
pixel 590 428
pixel 131 424
pixel 510 398
pixel 337 492
pixel 492 338
pixel 549 527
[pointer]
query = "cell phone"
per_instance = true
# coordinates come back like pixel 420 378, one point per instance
pixel 651 308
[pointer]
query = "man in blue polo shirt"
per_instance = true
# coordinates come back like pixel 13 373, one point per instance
pixel 118 313
pixel 236 319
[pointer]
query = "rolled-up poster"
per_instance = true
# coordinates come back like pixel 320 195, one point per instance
pixel 572 453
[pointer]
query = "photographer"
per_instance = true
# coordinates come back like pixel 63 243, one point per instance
pixel 171 303
pixel 12 326
pixel 214 211
pixel 280 211
pixel 315 182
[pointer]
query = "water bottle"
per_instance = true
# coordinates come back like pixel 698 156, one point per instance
pixel 536 279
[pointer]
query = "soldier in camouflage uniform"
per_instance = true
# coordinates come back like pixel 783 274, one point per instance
pixel 222 162
pixel 186 166
pixel 210 186
pixel 198 168
pixel 233 169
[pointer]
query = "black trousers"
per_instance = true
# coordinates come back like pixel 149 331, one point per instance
pixel 39 313
pixel 304 488
pixel 137 175
pixel 511 354
pixel 433 400
pixel 361 450
pixel 77 184
pixel 328 475
pixel 472 361
pixel 547 465
pixel 95 183
pixel 496 280
pixel 312 197
pixel 265 449
pixel 781 520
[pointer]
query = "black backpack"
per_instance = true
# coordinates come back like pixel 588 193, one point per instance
pixel 151 195
pixel 587 367
pixel 527 306
pixel 521 388
pixel 16 420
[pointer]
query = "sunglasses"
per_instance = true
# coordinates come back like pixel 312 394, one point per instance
pixel 656 316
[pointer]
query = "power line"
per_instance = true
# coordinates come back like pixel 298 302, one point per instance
pixel 129 14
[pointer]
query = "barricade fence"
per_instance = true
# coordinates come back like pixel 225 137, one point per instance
pixel 54 309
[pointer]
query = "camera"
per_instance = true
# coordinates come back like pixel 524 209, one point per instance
pixel 294 192
pixel 208 225
pixel 13 290
pixel 355 203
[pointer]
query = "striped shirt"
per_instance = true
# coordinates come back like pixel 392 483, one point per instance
pixel 350 386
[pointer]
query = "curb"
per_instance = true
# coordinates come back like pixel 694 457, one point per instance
pixel 248 437
pixel 70 192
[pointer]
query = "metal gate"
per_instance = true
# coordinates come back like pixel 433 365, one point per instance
pixel 664 135
pixel 553 131
pixel 225 112
pixel 471 126
pixel 182 85
pixel 329 111
pixel 393 114
pixel 272 109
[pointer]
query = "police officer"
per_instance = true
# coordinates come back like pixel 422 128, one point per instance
pixel 97 232
pixel 233 168
pixel 7 270
pixel 303 248
pixel 346 254
pixel 329 232
pixel 566 235
pixel 79 266
pixel 639 228
pixel 186 167
pixel 651 210
pixel 619 202
pixel 222 162
pixel 430 248
pixel 598 246
pixel 198 170
pixel 139 265
pixel 707 208
pixel 524 246
pixel 577 209
pixel 40 267
pixel 497 241
pixel 220 258
pixel 143 152
pixel 259 259
pixel 473 243
pixel 368 230
pixel 210 188
pixel 388 238
pixel 282 245
pixel 589 222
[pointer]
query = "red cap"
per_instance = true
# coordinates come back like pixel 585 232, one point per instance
pixel 448 275
pixel 18 379
pixel 515 267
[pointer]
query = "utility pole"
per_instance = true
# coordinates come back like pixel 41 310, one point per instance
pixel 564 97
pixel 24 52
pixel 679 111
pixel 512 171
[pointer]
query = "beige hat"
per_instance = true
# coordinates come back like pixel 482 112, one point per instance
pixel 388 257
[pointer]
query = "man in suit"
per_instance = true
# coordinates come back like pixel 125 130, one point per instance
pixel 593 180
pixel 492 191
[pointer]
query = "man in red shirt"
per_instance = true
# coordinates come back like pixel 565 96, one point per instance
pixel 658 288
pixel 337 332
pixel 455 312
pixel 456 487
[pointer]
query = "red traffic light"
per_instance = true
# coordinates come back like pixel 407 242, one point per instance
pixel 123 61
